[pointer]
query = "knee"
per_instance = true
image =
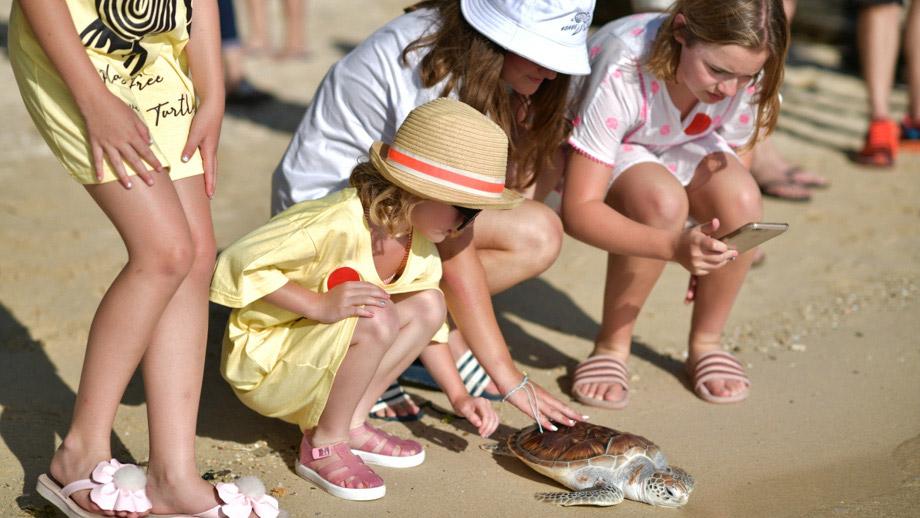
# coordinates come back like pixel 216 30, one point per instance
pixel 748 204
pixel 169 259
pixel 380 330
pixel 539 238
pixel 662 209
pixel 204 256
pixel 431 309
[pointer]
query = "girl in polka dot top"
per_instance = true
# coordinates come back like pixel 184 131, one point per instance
pixel 661 135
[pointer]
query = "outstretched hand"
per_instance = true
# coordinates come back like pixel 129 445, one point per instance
pixel 699 252
pixel 549 409
pixel 479 412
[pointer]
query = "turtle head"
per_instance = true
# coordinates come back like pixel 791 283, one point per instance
pixel 663 489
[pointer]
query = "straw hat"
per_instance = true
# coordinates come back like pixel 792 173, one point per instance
pixel 551 33
pixel 447 151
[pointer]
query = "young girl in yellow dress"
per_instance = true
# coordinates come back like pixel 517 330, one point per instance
pixel 125 91
pixel 337 296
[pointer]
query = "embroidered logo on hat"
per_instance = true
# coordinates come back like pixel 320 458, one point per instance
pixel 580 22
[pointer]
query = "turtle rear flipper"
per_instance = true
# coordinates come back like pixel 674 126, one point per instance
pixel 498 448
pixel 602 496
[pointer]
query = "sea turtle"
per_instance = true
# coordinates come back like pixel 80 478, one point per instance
pixel 600 465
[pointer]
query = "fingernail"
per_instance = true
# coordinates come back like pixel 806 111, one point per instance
pixel 553 428
pixel 571 421
pixel 382 303
pixel 185 158
pixel 130 185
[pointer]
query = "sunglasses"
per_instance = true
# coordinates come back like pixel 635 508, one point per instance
pixel 467 214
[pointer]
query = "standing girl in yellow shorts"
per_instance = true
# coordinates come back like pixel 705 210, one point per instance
pixel 129 97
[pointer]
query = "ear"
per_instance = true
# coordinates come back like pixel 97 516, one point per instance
pixel 678 24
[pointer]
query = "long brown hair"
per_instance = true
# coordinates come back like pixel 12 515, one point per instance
pixel 753 24
pixel 385 204
pixel 471 64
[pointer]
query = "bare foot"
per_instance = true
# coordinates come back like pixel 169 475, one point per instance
pixel 173 492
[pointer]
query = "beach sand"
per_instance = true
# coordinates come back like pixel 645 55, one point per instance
pixel 829 327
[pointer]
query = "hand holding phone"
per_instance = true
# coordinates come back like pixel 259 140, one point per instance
pixel 750 235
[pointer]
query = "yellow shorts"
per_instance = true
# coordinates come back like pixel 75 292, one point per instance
pixel 161 94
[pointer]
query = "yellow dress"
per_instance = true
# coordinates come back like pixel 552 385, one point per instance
pixel 279 363
pixel 139 54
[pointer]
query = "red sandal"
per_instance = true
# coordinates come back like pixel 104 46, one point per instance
pixel 383 449
pixel 881 146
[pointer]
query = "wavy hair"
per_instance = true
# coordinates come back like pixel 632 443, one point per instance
pixel 752 24
pixel 471 65
pixel 385 204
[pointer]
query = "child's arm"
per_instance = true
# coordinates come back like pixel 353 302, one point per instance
pixel 345 300
pixel 478 411
pixel 204 62
pixel 587 217
pixel 115 131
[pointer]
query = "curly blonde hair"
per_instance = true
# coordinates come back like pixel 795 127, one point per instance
pixel 385 204
pixel 752 24
pixel 471 65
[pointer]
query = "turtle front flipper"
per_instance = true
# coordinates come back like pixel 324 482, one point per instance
pixel 681 475
pixel 600 495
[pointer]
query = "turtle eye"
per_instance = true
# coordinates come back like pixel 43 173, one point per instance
pixel 671 492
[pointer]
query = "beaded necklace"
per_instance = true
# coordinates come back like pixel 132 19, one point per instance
pixel 405 258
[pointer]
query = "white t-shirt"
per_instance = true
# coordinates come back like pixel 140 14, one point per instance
pixel 624 105
pixel 363 98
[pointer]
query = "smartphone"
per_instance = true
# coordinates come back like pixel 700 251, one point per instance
pixel 753 234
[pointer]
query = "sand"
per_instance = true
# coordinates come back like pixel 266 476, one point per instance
pixel 829 327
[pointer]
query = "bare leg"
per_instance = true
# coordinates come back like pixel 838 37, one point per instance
pixel 724 190
pixel 257 37
pixel 372 338
pixel 912 51
pixel 420 315
pixel 647 193
pixel 173 366
pixel 517 244
pixel 295 16
pixel 160 255
pixel 878 51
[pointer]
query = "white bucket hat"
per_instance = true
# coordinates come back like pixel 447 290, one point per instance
pixel 551 33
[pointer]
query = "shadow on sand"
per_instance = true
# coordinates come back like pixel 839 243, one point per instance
pixel 37 405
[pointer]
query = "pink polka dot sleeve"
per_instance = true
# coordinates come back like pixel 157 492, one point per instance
pixel 608 111
pixel 739 120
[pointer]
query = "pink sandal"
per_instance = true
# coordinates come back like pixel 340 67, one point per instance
pixel 718 365
pixel 113 487
pixel 601 369
pixel 243 497
pixel 383 449
pixel 334 475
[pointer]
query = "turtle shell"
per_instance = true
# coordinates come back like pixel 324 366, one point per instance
pixel 575 446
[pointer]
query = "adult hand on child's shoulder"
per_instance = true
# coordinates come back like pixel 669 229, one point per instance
pixel 479 412
pixel 117 134
pixel 699 252
pixel 350 299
